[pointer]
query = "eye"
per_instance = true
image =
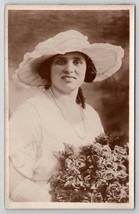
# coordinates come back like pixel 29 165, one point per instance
pixel 60 61
pixel 78 62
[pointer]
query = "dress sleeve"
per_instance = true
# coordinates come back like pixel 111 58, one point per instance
pixel 25 139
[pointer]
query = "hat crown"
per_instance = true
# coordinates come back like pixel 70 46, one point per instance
pixel 70 40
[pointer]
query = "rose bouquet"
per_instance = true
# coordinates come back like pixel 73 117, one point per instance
pixel 95 173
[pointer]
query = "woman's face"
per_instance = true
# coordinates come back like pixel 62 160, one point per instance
pixel 68 71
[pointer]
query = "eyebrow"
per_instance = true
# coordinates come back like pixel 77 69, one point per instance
pixel 64 57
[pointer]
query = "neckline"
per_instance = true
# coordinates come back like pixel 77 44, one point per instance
pixel 70 124
pixel 52 102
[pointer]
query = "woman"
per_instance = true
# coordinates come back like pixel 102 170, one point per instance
pixel 58 115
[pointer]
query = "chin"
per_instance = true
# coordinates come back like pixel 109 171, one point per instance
pixel 71 87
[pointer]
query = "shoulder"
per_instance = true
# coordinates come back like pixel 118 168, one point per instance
pixel 26 110
pixel 31 105
pixel 38 99
pixel 25 120
pixel 90 110
pixel 94 118
pixel 33 109
pixel 92 114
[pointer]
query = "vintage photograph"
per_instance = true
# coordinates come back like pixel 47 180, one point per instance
pixel 69 106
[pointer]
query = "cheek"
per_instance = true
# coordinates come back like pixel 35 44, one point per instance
pixel 82 71
pixel 55 73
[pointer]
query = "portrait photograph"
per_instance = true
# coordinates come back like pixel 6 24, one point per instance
pixel 69 106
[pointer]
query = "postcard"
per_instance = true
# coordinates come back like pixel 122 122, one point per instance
pixel 69 106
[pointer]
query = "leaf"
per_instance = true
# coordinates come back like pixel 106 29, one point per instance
pixel 69 149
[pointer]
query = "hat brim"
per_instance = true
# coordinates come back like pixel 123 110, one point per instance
pixel 107 59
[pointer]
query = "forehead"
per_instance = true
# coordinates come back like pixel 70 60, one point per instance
pixel 71 55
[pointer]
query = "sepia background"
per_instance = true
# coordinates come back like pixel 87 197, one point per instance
pixel 110 97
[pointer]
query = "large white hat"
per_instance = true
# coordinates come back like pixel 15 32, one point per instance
pixel 107 58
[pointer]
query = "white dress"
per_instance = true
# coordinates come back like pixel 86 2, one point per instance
pixel 37 130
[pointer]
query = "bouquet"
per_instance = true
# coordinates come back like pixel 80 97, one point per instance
pixel 97 172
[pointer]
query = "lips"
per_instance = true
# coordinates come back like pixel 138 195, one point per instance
pixel 66 77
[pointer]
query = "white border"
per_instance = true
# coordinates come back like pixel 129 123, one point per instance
pixel 53 205
pixel 71 7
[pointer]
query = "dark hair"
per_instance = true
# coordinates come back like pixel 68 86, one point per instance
pixel 90 70
pixel 45 68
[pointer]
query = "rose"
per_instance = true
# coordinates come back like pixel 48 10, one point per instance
pixel 87 182
pixel 122 175
pixel 96 148
pixel 74 182
pixel 96 197
pixel 72 164
pixel 118 157
pixel 106 151
pixel 99 184
pixel 109 175
pixel 97 175
pixel 116 192
pixel 120 150
pixel 80 163
pixel 75 163
pixel 109 164
pixel 100 163
pixel 121 167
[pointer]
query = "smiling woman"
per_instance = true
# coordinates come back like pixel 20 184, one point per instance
pixel 59 115
pixel 69 71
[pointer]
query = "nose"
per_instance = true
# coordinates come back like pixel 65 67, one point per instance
pixel 69 68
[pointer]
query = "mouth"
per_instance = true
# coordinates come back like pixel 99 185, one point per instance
pixel 67 77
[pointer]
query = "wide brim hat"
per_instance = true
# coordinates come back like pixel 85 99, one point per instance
pixel 107 58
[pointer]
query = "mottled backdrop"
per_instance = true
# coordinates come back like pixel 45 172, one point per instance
pixel 109 97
